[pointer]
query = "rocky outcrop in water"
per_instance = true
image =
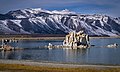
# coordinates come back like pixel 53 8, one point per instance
pixel 78 39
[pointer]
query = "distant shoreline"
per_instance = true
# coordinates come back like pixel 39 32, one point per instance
pixel 44 37
pixel 105 37
pixel 33 38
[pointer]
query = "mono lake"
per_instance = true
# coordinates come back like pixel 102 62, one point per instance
pixel 94 55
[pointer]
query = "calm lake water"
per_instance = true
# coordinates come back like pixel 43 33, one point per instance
pixel 94 55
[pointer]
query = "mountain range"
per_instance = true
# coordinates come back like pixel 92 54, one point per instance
pixel 40 21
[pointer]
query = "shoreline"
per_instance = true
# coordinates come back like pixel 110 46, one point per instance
pixel 56 64
pixel 33 38
pixel 47 38
pixel 32 66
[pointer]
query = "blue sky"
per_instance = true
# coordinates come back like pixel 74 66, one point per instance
pixel 109 7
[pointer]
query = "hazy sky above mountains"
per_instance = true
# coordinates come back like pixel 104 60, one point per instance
pixel 109 7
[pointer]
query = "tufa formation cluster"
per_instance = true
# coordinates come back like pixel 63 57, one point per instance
pixel 76 40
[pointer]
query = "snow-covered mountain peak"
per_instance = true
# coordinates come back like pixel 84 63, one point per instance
pixel 66 11
pixel 33 12
pixel 36 10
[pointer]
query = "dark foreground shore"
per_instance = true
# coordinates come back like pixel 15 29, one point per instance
pixel 31 66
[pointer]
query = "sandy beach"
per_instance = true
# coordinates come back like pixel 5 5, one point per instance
pixel 54 64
